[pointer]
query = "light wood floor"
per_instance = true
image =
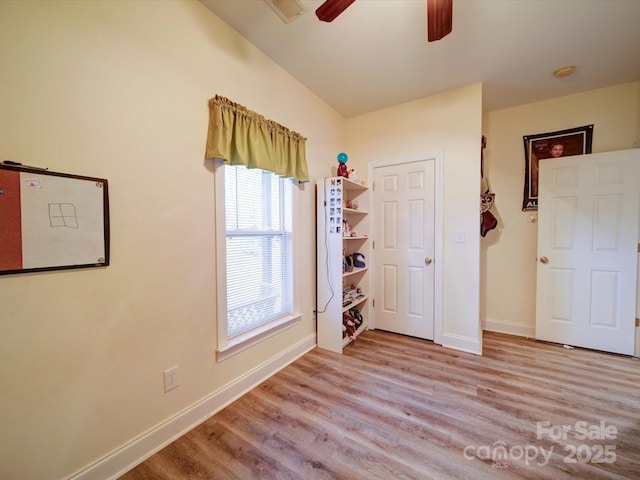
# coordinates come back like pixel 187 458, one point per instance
pixel 393 407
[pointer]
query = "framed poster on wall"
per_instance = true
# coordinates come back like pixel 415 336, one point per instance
pixel 574 141
pixel 52 221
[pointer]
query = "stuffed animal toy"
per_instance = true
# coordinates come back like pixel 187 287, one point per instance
pixel 342 170
pixel 350 325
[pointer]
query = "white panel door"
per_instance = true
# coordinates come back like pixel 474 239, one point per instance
pixel 404 209
pixel 588 208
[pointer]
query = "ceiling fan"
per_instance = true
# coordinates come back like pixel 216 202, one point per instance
pixel 439 15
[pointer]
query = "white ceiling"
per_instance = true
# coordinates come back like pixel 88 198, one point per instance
pixel 375 54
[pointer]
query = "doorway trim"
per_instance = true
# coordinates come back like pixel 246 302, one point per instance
pixel 438 229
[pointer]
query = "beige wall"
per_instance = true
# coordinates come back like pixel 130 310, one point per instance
pixel 509 253
pixel 119 90
pixel 449 123
pixel 637 142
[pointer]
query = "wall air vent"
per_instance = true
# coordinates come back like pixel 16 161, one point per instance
pixel 287 10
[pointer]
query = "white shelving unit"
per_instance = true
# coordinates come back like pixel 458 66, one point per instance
pixel 342 230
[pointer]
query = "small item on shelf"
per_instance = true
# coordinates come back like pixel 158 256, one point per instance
pixel 350 290
pixel 354 204
pixel 350 324
pixel 348 263
pixel 357 262
pixel 352 295
pixel 342 165
pixel 346 230
pixel 353 176
pixel 357 316
pixel 348 295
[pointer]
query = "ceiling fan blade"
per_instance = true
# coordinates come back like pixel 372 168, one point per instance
pixel 439 19
pixel 329 10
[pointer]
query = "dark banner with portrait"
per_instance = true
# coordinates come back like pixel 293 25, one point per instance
pixel 574 141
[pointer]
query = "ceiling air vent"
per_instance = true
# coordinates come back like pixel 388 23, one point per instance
pixel 287 10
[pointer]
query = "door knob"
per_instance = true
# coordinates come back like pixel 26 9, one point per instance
pixel 428 261
pixel 544 260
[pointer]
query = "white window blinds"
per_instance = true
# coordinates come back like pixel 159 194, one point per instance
pixel 258 248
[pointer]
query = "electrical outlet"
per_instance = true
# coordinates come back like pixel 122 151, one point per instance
pixel 171 378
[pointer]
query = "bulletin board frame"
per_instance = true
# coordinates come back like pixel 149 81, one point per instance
pixel 51 220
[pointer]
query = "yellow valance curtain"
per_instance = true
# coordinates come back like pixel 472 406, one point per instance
pixel 240 136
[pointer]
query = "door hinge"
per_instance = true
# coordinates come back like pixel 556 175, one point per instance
pixel 373 245
pixel 637 322
pixel 373 187
pixel 639 248
pixel 373 302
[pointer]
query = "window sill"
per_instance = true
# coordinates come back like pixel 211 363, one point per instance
pixel 256 335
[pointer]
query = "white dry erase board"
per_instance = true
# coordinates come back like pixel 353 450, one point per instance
pixel 52 221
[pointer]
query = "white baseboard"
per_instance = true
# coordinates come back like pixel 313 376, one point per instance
pixel 124 459
pixel 510 328
pixel 465 344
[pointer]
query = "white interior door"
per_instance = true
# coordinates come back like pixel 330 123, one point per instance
pixel 588 208
pixel 404 219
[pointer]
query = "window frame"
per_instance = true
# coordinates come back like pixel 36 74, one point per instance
pixel 227 347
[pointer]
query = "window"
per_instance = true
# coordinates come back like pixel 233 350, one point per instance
pixel 256 289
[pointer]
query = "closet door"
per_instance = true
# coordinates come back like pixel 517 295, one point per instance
pixel 404 209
